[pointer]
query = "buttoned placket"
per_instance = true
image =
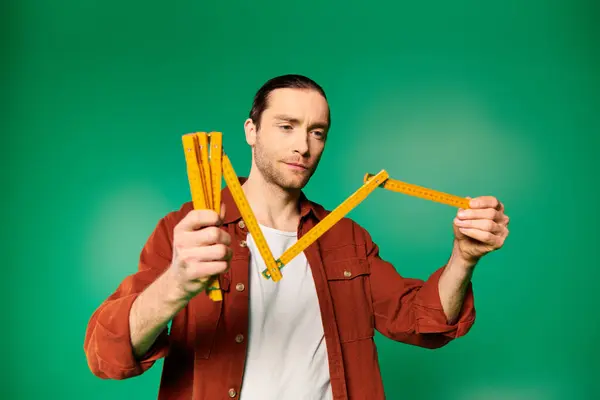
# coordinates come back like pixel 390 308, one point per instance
pixel 238 304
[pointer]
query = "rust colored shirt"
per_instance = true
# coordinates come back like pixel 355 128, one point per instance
pixel 205 350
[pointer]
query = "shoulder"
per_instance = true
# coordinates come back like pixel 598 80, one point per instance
pixel 345 231
pixel 158 248
pixel 173 217
pixel 166 224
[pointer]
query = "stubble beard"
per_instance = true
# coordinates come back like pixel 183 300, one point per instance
pixel 268 167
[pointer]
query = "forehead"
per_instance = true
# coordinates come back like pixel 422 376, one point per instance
pixel 299 103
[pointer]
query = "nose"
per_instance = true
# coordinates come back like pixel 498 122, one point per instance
pixel 301 143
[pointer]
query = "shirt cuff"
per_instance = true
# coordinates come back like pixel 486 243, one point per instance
pixel 112 342
pixel 429 313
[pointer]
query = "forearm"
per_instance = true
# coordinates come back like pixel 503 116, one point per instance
pixel 152 311
pixel 453 284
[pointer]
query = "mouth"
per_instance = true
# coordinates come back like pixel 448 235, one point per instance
pixel 296 166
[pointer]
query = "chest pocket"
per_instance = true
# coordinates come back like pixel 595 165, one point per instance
pixel 348 277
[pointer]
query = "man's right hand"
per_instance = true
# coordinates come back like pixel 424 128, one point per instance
pixel 200 250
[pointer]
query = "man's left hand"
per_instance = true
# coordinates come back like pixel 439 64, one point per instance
pixel 480 229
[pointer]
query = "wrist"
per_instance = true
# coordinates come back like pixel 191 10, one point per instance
pixel 459 257
pixel 459 264
pixel 175 294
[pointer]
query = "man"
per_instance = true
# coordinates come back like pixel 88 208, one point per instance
pixel 308 336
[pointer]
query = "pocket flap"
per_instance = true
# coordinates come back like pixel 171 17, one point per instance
pixel 346 269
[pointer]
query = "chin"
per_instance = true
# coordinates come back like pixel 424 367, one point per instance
pixel 298 182
pixel 293 184
pixel 292 181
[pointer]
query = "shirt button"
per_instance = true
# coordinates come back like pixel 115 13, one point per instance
pixel 242 224
pixel 347 274
pixel 240 287
pixel 243 243
pixel 232 392
pixel 239 338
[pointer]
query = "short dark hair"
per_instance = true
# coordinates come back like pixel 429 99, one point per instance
pixel 293 81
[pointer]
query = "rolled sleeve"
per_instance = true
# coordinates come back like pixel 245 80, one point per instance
pixel 107 342
pixel 108 347
pixel 429 313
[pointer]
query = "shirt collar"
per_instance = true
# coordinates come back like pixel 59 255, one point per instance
pixel 232 213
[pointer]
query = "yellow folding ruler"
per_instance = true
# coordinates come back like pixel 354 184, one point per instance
pixel 422 192
pixel 204 176
pixel 207 164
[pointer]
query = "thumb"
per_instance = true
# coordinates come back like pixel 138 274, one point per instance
pixel 469 198
pixel 222 214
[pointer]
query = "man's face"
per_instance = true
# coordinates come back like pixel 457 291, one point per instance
pixel 291 138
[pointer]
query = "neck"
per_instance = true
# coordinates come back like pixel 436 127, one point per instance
pixel 272 205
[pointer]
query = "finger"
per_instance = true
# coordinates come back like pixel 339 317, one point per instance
pixel 215 252
pixel 205 237
pixel 483 236
pixel 481 224
pixel 474 213
pixel 203 272
pixel 197 219
pixel 485 202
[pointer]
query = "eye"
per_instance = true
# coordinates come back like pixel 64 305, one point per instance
pixel 285 127
pixel 319 134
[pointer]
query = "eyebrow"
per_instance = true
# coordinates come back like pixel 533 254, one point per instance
pixel 293 120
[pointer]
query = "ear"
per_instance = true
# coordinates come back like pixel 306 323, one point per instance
pixel 250 130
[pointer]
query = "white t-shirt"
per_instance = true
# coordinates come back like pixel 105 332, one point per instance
pixel 287 355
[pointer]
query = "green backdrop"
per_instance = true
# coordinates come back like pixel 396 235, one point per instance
pixel 467 97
